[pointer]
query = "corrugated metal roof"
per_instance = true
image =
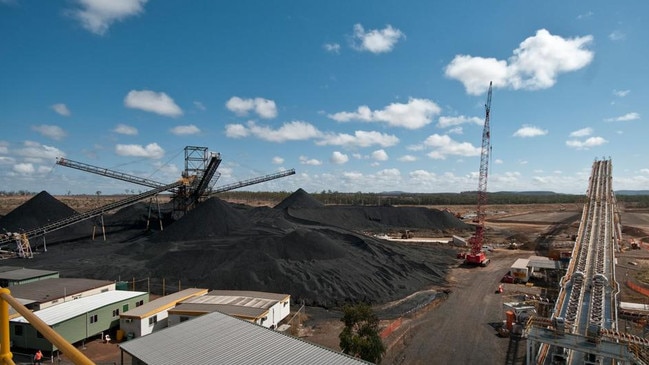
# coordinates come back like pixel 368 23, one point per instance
pixel 216 338
pixel 250 294
pixel 162 303
pixel 22 274
pixel 64 311
pixel 233 310
pixel 520 264
pixel 540 262
pixel 55 288
pixel 9 268
pixel 241 301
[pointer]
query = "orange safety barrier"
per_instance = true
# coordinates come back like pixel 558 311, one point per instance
pixel 391 328
pixel 636 287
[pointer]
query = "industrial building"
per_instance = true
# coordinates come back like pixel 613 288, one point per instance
pixel 265 309
pixel 76 320
pixel 42 294
pixel 152 316
pixel 216 338
pixel 11 276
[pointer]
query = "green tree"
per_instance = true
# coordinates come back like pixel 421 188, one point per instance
pixel 360 337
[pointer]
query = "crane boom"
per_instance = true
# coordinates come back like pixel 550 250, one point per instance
pixel 477 255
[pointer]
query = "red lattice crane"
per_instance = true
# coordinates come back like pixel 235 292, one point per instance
pixel 477 255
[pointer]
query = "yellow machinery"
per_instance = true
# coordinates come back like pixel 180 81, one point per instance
pixel 6 357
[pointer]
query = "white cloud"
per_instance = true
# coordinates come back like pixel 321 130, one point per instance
pixel 183 130
pixel 584 132
pixel 498 161
pixel 616 35
pixel 4 147
pixel 290 131
pixel 332 47
pixel 38 152
pixel 263 107
pixel 445 122
pixel 152 150
pixel 278 160
pixel 380 155
pixel 415 114
pixel 98 15
pixel 407 158
pixel 307 161
pixel 530 131
pixel 199 105
pixel 24 168
pixel 50 131
pixel 621 93
pixel 61 109
pixel 444 145
pixel 151 101
pixel 125 129
pixel 587 14
pixel 624 118
pixel 584 145
pixel 535 64
pixel 376 41
pixel 456 130
pixel 236 131
pixel 339 158
pixel 359 139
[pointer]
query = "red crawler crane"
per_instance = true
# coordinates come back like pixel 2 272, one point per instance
pixel 477 255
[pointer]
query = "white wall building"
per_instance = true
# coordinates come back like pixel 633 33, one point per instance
pixel 265 309
pixel 152 316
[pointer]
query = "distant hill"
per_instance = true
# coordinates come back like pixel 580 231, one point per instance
pixel 632 192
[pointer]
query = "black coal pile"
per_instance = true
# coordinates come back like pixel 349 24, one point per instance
pixel 299 199
pixel 220 247
pixel 300 247
pixel 212 218
pixel 42 210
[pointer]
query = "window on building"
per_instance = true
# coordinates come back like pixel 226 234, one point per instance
pixel 39 335
pixel 115 312
pixel 93 318
pixel 125 308
pixel 184 318
pixel 139 303
pixel 153 320
pixel 18 330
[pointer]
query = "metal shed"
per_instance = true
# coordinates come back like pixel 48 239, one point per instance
pixel 18 276
pixel 76 320
pixel 216 338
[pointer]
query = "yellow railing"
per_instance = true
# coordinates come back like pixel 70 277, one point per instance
pixel 6 357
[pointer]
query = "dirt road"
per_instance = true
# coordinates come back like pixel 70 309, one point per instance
pixel 461 329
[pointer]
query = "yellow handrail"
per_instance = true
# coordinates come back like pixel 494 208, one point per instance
pixel 76 356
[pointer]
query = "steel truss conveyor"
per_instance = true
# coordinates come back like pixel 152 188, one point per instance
pixel 65 222
pixel 583 328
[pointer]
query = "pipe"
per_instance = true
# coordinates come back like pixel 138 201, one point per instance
pixel 5 350
pixel 76 356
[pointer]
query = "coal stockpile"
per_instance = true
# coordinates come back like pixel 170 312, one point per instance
pixel 41 210
pixel 220 247
pixel 315 258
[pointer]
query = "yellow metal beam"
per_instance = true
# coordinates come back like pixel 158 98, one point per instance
pixel 76 356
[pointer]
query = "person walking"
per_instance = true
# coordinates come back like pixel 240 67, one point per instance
pixel 38 358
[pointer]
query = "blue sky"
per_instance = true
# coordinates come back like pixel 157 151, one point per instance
pixel 364 96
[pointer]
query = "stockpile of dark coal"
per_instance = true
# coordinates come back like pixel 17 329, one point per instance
pixel 220 247
pixel 212 218
pixel 299 199
pixel 42 210
pixel 381 218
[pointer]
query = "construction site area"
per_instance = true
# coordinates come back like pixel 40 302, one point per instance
pixel 514 284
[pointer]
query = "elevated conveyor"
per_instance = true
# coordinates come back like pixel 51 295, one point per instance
pixel 65 222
